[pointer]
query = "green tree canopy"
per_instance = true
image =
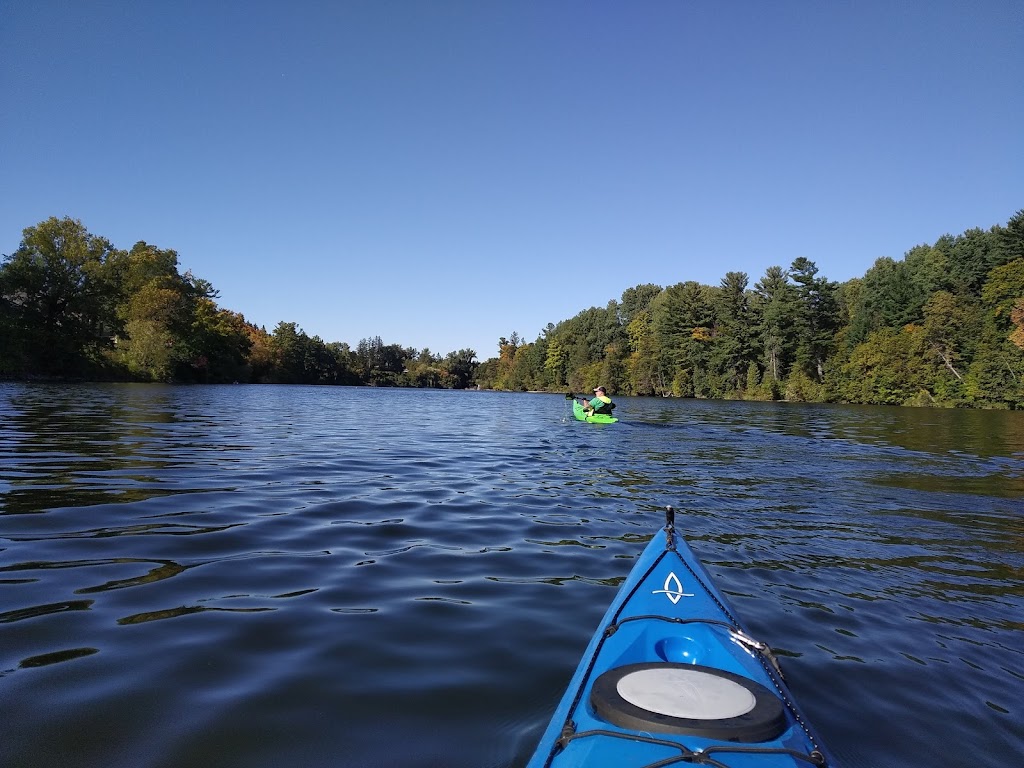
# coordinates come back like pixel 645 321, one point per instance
pixel 60 298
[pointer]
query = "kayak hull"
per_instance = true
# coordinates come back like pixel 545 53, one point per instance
pixel 596 418
pixel 669 675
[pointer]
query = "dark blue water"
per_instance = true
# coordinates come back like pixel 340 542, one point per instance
pixel 290 576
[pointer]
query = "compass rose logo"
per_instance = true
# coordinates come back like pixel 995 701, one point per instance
pixel 673 589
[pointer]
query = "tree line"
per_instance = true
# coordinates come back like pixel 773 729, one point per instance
pixel 72 306
pixel 942 326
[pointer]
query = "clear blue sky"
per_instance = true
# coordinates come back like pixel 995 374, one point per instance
pixel 443 173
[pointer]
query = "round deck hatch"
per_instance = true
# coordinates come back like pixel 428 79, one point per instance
pixel 666 697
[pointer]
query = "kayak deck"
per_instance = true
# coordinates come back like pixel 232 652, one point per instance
pixel 671 678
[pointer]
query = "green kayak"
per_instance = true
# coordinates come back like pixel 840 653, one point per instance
pixel 596 418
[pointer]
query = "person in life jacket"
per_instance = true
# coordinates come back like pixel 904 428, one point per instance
pixel 600 404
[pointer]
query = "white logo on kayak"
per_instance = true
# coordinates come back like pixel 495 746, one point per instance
pixel 673 589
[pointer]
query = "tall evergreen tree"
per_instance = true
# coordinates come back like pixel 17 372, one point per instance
pixel 775 301
pixel 734 328
pixel 682 318
pixel 817 317
pixel 1010 239
pixel 637 300
pixel 890 298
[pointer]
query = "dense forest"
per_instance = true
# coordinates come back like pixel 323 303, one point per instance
pixel 73 306
pixel 943 326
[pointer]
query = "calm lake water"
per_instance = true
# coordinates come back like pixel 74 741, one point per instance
pixel 262 576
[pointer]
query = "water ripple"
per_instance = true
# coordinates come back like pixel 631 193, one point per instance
pixel 352 586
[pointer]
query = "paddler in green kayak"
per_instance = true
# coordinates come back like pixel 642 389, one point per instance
pixel 601 403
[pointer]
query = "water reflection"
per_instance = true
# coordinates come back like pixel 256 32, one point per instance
pixel 165 570
pixel 184 610
pixel 67 447
pixel 37 497
pixel 142 529
pixel 56 657
pixel 44 610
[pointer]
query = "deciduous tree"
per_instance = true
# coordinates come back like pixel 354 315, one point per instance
pixel 60 297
